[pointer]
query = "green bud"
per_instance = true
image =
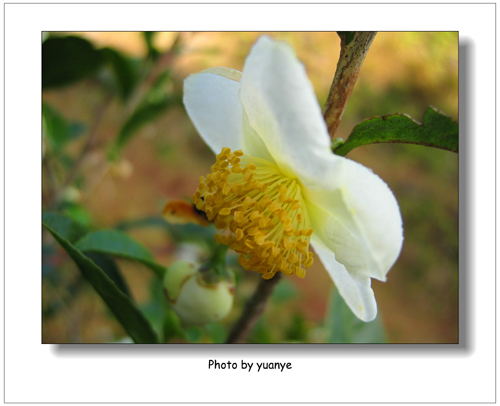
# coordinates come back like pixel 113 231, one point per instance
pixel 196 298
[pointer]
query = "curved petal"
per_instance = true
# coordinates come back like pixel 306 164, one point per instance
pixel 212 102
pixel 355 289
pixel 364 205
pixel 349 251
pixel 282 109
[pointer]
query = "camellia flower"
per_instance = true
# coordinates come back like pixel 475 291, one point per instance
pixel 276 187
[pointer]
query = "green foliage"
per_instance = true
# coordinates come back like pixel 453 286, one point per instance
pixel 118 302
pixel 125 72
pixel 117 243
pixel 148 38
pixel 344 327
pixel 68 229
pixel 437 130
pixel 66 60
pixel 349 36
pixel 111 269
pixel 142 116
pixel 57 129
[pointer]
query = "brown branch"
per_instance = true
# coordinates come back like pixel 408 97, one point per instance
pixel 253 309
pixel 353 49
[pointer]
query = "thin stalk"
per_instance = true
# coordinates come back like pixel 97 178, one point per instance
pixel 353 48
pixel 253 309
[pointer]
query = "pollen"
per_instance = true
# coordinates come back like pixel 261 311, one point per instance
pixel 260 214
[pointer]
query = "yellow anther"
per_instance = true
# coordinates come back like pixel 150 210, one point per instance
pixel 248 176
pixel 300 272
pixel 283 216
pixel 250 244
pixel 239 234
pixel 255 216
pixel 308 263
pixel 217 176
pixel 226 189
pixel 264 222
pixel 259 239
pixel 248 202
pixel 253 230
pixel 289 244
pixel 302 247
pixel 238 216
pixel 259 211
pixel 275 207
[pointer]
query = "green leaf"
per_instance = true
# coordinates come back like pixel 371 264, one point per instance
pixel 437 130
pixel 344 327
pixel 57 129
pixel 77 213
pixel 142 116
pixel 349 36
pixel 68 229
pixel 125 74
pixel 115 242
pixel 111 269
pixel 148 38
pixel 68 59
pixel 122 307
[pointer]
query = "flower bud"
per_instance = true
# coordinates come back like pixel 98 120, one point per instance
pixel 194 297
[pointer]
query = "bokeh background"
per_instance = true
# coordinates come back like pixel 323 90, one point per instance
pixel 160 158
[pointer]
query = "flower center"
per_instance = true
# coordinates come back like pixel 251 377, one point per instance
pixel 260 211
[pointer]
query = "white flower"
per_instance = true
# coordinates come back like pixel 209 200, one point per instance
pixel 282 187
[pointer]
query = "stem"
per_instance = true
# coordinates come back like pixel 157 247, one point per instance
pixel 353 48
pixel 214 269
pixel 253 309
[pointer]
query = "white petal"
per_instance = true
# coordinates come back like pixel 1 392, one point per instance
pixel 283 110
pixel 349 251
pixel 364 205
pixel 212 102
pixel 355 289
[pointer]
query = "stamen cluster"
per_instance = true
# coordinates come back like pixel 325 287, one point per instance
pixel 260 212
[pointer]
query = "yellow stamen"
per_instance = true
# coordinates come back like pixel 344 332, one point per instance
pixel 260 211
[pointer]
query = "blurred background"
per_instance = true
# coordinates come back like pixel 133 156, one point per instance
pixel 117 145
